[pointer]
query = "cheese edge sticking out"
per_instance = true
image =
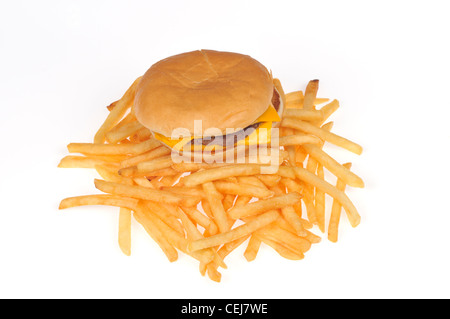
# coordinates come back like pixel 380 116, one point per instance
pixel 260 135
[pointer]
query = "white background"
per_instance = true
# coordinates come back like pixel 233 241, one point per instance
pixel 62 62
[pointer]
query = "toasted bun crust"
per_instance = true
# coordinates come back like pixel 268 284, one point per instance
pixel 223 89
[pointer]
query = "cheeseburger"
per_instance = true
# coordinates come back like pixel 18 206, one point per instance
pixel 209 98
pixel 209 106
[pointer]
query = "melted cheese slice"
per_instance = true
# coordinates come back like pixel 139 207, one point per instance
pixel 259 136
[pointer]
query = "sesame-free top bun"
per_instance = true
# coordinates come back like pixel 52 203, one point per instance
pixel 223 89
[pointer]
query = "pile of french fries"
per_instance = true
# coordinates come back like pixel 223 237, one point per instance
pixel 206 210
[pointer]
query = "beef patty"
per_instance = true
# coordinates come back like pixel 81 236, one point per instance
pixel 233 138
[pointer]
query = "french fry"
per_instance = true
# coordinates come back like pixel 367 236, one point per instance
pixel 213 274
pixel 148 222
pixel 80 162
pixel 201 219
pixel 129 117
pixel 144 193
pixel 308 200
pixel 310 94
pixel 155 164
pixel 269 180
pixel 321 100
pixel 336 209
pixel 118 134
pixel 293 96
pixel 298 139
pixel 180 242
pixel 235 233
pixel 287 140
pixel 164 213
pixel 187 191
pixel 164 172
pixel 142 181
pixel 207 209
pixel 112 105
pixel 251 180
pixel 304 114
pixel 319 201
pixel 282 236
pixel 299 211
pixel 169 180
pixel 132 171
pixel 117 112
pixel 124 236
pixel 106 200
pixel 326 187
pixel 171 235
pixel 194 234
pixel 252 248
pixel 213 174
pixel 264 205
pixel 242 189
pixel 147 156
pixel 294 104
pixel 289 214
pixel 110 174
pixel 327 126
pixel 227 248
pixel 113 149
pixel 300 156
pixel 156 182
pixel 230 179
pixel 282 250
pixel 224 251
pixel 129 172
pixel 298 103
pixel 323 134
pixel 293 219
pixel 228 200
pixel 347 176
pixel 292 185
pixel 142 135
pixel 295 99
pixel 285 171
pixel 327 110
pixel 190 167
pixel 242 200
pixel 309 236
pixel 217 209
